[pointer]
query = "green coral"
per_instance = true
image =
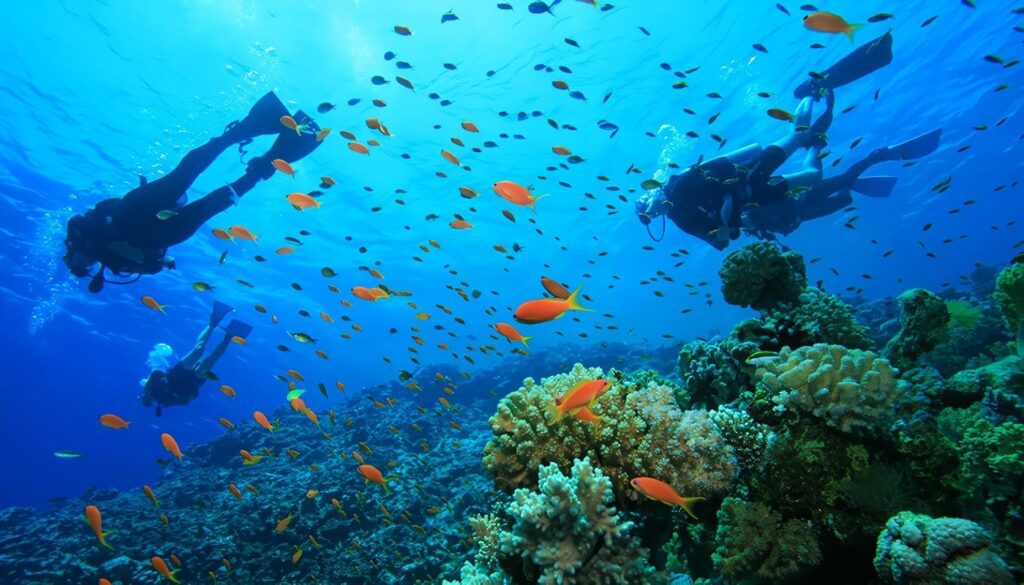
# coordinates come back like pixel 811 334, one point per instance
pixel 816 317
pixel 1004 376
pixel 569 531
pixel 924 323
pixel 1010 297
pixel 710 375
pixel 755 542
pixel 761 276
pixel 485 569
pixel 854 391
pixel 963 314
pixel 751 440
pixel 920 550
pixel 643 433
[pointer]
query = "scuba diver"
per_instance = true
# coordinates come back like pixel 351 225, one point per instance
pixel 714 200
pixel 179 384
pixel 129 236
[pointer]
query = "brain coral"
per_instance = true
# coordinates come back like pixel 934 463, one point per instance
pixel 761 276
pixel 853 390
pixel 643 433
pixel 919 549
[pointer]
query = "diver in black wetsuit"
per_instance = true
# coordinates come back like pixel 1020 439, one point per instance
pixel 129 236
pixel 180 384
pixel 714 200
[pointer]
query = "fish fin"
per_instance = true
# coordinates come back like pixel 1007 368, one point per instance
pixel 385 486
pixel 574 303
pixel 103 539
pixel 173 576
pixel 533 204
pixel 687 504
pixel 553 414
pixel 524 340
pixel 849 31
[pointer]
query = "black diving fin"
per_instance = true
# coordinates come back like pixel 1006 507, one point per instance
pixel 864 60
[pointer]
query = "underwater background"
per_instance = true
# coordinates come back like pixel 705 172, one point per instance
pixel 97 94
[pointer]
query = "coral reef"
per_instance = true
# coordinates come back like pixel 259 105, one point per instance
pixel 816 317
pixel 710 375
pixel 1010 297
pixel 643 433
pixel 569 531
pixel 762 276
pixel 924 323
pixel 919 549
pixel 853 390
pixel 753 541
pixel 751 440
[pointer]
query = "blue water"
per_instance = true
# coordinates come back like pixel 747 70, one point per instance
pixel 96 93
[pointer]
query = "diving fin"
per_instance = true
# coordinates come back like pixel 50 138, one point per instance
pixel 880 187
pixel 917 147
pixel 289 146
pixel 219 311
pixel 143 181
pixel 237 328
pixel 263 118
pixel 864 60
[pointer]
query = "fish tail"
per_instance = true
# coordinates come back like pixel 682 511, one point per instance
pixel 533 203
pixel 574 303
pixel 687 504
pixel 851 29
pixel 161 308
pixel 103 539
pixel 524 340
pixel 386 490
pixel 172 577
pixel 553 414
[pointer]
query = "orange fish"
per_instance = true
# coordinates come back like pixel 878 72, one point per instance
pixel 161 567
pixel 469 126
pixel 371 473
pixel 283 524
pixel 581 395
pixel 552 286
pixel 295 374
pixel 311 416
pixel 238 340
pixel 361 292
pixel 584 414
pixel 561 150
pixel 175 560
pixel 222 234
pixel 113 421
pixel 301 201
pixel 149 494
pixel 450 157
pixel 516 193
pixel 243 233
pixel 297 404
pixel 95 519
pixel 828 22
pixel 262 420
pixel 291 124
pixel 511 334
pixel 322 134
pixel 543 310
pixel 152 304
pixel 285 250
pixel 228 391
pixel 662 492
pixel 297 555
pixel 330 182
pixel 460 224
pixel 403 30
pixel 468 193
pixel 327 317
pixel 226 424
pixel 105 581
pixel 171 445
pixel 312 493
pixel 235 491
pixel 357 147
pixel 283 166
pixel 249 459
pixel 779 114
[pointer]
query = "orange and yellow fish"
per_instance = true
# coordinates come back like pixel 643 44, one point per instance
pixel 515 193
pixel 152 304
pixel 371 473
pixel 543 310
pixel 112 421
pixel 171 445
pixel 160 566
pixel 95 520
pixel 828 22
pixel 662 492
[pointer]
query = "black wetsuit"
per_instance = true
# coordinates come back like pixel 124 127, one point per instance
pixel 698 195
pixel 181 386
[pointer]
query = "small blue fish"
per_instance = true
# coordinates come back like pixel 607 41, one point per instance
pixel 378 80
pixel 644 30
pixel 542 7
pixel 782 9
pixel 354 101
pixel 449 16
pixel 572 43
pixel 389 55
pixel 577 95
pixel 504 6
pixel 403 65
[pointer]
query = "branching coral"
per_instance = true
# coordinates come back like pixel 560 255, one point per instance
pixel 751 440
pixel 761 276
pixel 643 433
pixel 919 549
pixel 853 390
pixel 1010 296
pixel 710 375
pixel 754 541
pixel 569 531
pixel 817 317
pixel 924 323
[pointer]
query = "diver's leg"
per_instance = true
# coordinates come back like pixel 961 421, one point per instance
pixel 797 137
pixel 188 219
pixel 811 174
pixel 192 357
pixel 816 207
pixel 209 361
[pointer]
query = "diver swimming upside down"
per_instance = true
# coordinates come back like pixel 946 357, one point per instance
pixel 714 200
pixel 129 236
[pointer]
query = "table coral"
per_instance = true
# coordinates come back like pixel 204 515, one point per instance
pixel 643 433
pixel 924 323
pixel 854 391
pixel 761 276
pixel 918 549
